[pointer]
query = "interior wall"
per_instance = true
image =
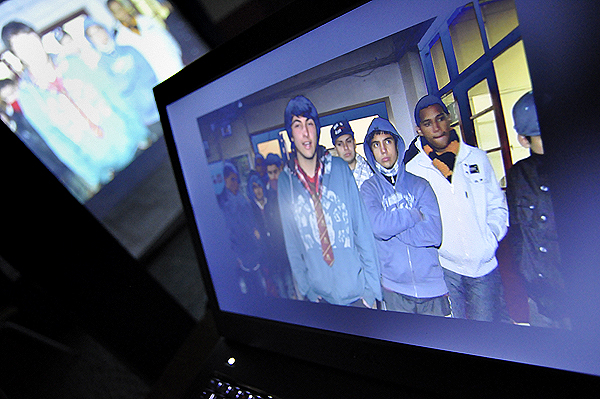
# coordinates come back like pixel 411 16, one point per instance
pixel 402 83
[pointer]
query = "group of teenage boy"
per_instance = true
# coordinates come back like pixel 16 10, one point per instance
pixel 414 229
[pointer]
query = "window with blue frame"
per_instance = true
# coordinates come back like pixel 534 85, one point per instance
pixel 476 63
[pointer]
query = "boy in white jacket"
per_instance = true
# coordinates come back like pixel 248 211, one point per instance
pixel 472 206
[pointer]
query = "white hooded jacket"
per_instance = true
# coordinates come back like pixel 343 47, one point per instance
pixel 473 209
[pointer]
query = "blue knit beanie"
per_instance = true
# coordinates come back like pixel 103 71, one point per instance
pixel 525 116
pixel 428 101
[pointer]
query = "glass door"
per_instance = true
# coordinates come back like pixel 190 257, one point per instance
pixel 483 119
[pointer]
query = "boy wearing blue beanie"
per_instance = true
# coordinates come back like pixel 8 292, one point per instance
pixel 532 235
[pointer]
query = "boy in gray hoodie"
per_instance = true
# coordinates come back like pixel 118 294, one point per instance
pixel 405 218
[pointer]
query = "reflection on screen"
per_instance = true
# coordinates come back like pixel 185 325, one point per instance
pixel 76 87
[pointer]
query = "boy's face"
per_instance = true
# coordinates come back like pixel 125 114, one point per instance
pixel 346 147
pixel 435 127
pixel 260 167
pixel 232 183
pixel 273 171
pixel 304 136
pixel 121 13
pixel 384 149
pixel 535 145
pixel 100 37
pixel 258 191
pixel 9 93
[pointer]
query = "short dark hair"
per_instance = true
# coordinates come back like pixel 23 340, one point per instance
pixel 228 169
pixel 428 101
pixel 6 82
pixel 301 106
pixel 14 28
pixel 273 159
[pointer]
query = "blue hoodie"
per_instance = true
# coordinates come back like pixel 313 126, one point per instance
pixel 405 218
pixel 355 271
pixel 130 73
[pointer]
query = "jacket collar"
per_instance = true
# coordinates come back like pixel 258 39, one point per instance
pixel 415 149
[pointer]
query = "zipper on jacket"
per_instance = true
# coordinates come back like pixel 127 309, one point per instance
pixel 435 170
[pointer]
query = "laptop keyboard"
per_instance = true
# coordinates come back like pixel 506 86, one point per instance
pixel 219 388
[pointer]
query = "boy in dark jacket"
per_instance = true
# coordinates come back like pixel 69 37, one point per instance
pixel 406 222
pixel 532 234
pixel 246 240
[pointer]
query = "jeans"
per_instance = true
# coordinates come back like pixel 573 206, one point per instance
pixel 475 298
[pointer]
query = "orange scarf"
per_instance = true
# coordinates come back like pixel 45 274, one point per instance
pixel 443 160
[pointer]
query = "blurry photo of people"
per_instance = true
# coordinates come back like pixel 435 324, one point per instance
pixel 76 111
pixel 129 72
pixel 149 37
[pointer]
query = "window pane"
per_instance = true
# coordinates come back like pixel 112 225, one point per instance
pixel 495 158
pixel 486 131
pixel 452 106
pixel 479 97
pixel 439 64
pixel 466 38
pixel 483 117
pixel 512 74
pixel 499 17
pixel 267 147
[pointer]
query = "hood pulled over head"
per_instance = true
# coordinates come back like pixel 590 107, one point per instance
pixel 378 126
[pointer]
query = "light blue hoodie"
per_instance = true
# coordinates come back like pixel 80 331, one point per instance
pixel 405 218
pixel 354 274
pixel 130 73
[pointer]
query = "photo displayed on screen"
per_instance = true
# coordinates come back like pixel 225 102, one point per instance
pixel 76 81
pixel 342 185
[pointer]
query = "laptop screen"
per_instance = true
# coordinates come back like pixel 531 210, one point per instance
pixel 232 138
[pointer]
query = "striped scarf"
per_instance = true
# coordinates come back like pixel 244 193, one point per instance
pixel 444 160
pixel 313 186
